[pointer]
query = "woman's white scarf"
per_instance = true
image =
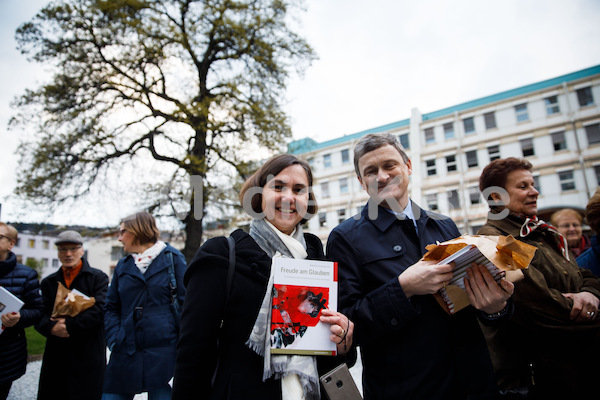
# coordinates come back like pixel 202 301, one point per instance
pixel 298 374
pixel 143 261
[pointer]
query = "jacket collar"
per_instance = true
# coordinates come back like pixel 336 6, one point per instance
pixel 384 218
pixel 9 264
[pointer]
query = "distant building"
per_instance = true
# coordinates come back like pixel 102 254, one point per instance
pixel 555 124
pixel 38 247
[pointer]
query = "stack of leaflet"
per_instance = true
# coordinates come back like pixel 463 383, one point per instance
pixel 463 259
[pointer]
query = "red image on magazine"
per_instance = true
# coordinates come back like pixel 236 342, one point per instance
pixel 295 309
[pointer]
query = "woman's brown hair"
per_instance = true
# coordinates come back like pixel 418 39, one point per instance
pixel 143 226
pixel 496 172
pixel 267 171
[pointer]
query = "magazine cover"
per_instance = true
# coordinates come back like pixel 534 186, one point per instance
pixel 8 303
pixel 301 289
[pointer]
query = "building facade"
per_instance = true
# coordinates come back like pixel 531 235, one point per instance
pixel 555 124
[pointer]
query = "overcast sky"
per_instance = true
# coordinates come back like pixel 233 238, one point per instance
pixel 377 61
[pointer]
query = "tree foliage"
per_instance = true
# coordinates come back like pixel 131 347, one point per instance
pixel 191 85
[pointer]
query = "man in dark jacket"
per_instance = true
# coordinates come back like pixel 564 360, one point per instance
pixel 410 347
pixel 75 356
pixel 22 282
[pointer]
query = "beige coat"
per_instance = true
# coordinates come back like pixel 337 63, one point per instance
pixel 540 343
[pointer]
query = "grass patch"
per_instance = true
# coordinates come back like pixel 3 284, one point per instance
pixel 36 342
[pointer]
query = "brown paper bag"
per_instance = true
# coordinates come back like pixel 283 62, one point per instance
pixel 68 304
pixel 505 252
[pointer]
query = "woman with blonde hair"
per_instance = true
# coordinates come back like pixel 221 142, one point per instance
pixel 142 313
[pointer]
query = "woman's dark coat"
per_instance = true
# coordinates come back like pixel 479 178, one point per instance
pixel 73 367
pixel 140 322
pixel 240 369
pixel 21 281
pixel 541 343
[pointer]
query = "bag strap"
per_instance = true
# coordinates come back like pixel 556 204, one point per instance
pixel 173 287
pixel 230 272
pixel 228 284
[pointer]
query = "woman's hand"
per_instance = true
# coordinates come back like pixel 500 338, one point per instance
pixel 585 306
pixel 10 319
pixel 483 291
pixel 342 329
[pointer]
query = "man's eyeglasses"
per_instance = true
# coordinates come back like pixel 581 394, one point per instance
pixel 5 237
pixel 67 249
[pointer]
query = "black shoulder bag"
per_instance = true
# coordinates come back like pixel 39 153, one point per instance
pixel 228 284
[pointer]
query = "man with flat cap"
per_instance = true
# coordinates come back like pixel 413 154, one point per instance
pixel 75 355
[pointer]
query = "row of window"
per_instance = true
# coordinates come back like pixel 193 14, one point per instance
pixel 584 97
pixel 31 243
pixel 566 178
pixel 559 142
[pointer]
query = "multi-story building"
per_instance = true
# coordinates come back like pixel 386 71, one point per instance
pixel 37 249
pixel 555 124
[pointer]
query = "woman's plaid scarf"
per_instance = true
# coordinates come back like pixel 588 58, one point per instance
pixel 533 223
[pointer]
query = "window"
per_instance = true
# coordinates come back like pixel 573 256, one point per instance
pixel 431 200
pixel 593 133
pixel 404 140
pixel 44 262
pixel 567 181
pixel 474 195
pixel 345 156
pixel 327 160
pixel 45 244
pixel 453 202
pixel 116 253
pixel 527 147
pixel 490 120
pixel 429 136
pixel 449 130
pixel 18 243
pixel 343 185
pixel 469 125
pixel 451 163
pixel 341 215
pixel 597 170
pixel 522 113
pixel 585 97
pixel 31 243
pixel 311 162
pixel 558 140
pixel 536 183
pixel 494 152
pixel 55 263
pixel 430 167
pixel 472 159
pixel 552 105
pixel 322 219
pixel 325 189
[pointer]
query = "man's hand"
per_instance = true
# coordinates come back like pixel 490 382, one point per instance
pixel 585 306
pixel 483 291
pixel 424 277
pixel 10 319
pixel 59 329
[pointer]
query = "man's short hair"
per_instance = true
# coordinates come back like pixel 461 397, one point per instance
pixel 13 233
pixel 372 142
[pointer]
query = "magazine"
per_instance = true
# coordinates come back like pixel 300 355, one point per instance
pixel 301 289
pixel 8 303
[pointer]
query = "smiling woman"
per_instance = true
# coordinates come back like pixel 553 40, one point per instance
pixel 279 198
pixel 554 331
